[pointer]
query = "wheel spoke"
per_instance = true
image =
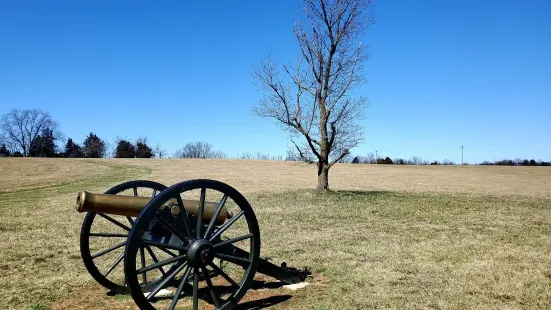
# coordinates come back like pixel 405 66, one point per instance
pixel 215 298
pixel 135 188
pixel 116 246
pixel 112 220
pixel 195 288
pixel 119 259
pixel 201 212
pixel 162 245
pixel 166 251
pixel 233 240
pixel 165 281
pixel 183 214
pixel 162 263
pixel 227 225
pixel 130 220
pixel 233 259
pixel 154 257
pixel 215 215
pixel 180 288
pixel 108 235
pixel 154 193
pixel 223 274
pixel 142 255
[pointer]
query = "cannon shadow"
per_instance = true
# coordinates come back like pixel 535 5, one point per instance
pixel 263 302
pixel 259 303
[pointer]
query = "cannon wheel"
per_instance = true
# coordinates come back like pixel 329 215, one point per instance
pixel 199 246
pixel 85 235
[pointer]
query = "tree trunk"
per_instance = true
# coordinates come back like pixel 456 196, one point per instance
pixel 323 177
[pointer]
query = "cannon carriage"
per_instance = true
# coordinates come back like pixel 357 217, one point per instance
pixel 171 246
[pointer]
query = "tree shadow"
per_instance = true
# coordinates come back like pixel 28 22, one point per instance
pixel 360 193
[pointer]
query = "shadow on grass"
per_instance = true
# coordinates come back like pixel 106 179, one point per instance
pixel 263 302
pixel 346 195
pixel 360 193
pixel 259 302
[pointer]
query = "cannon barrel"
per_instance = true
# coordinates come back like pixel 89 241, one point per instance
pixel 133 205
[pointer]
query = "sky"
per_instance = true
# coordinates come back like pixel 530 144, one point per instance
pixel 441 73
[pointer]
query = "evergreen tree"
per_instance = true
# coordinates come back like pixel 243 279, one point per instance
pixel 125 149
pixel 94 147
pixel 73 150
pixel 142 149
pixel 43 145
pixel 4 151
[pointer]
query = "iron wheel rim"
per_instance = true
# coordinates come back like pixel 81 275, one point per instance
pixel 85 235
pixel 149 213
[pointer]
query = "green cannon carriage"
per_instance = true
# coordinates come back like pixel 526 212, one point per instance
pixel 178 247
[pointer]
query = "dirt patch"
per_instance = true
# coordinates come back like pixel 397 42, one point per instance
pixel 265 293
pixel 94 297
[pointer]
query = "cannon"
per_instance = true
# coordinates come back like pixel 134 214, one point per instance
pixel 168 246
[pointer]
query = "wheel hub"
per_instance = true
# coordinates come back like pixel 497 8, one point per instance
pixel 200 253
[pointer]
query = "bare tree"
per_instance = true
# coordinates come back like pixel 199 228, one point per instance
pixel 199 150
pixel 217 155
pixel 21 127
pixel 346 159
pixel 312 100
pixel 415 160
pixel 370 158
pixel 159 151
pixel 258 156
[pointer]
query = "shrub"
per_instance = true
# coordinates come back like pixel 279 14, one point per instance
pixel 125 149
pixel 142 149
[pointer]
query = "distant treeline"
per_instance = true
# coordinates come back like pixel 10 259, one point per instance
pixel 370 159
pixel 33 133
pixel 415 160
pixel 517 162
pixel 94 147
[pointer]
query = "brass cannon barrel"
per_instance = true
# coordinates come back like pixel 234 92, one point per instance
pixel 133 205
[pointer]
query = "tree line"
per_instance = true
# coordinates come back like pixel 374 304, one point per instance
pixel 516 162
pixel 33 133
pixel 415 160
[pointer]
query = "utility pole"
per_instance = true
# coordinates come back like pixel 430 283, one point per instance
pixel 462 147
pixel 376 157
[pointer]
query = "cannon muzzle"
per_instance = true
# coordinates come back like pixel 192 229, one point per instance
pixel 133 205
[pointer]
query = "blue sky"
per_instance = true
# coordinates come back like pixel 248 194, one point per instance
pixel 441 73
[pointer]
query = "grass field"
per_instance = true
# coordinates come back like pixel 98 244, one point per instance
pixel 387 237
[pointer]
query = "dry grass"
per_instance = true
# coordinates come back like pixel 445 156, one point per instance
pixel 276 176
pixel 390 237
pixel 22 173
